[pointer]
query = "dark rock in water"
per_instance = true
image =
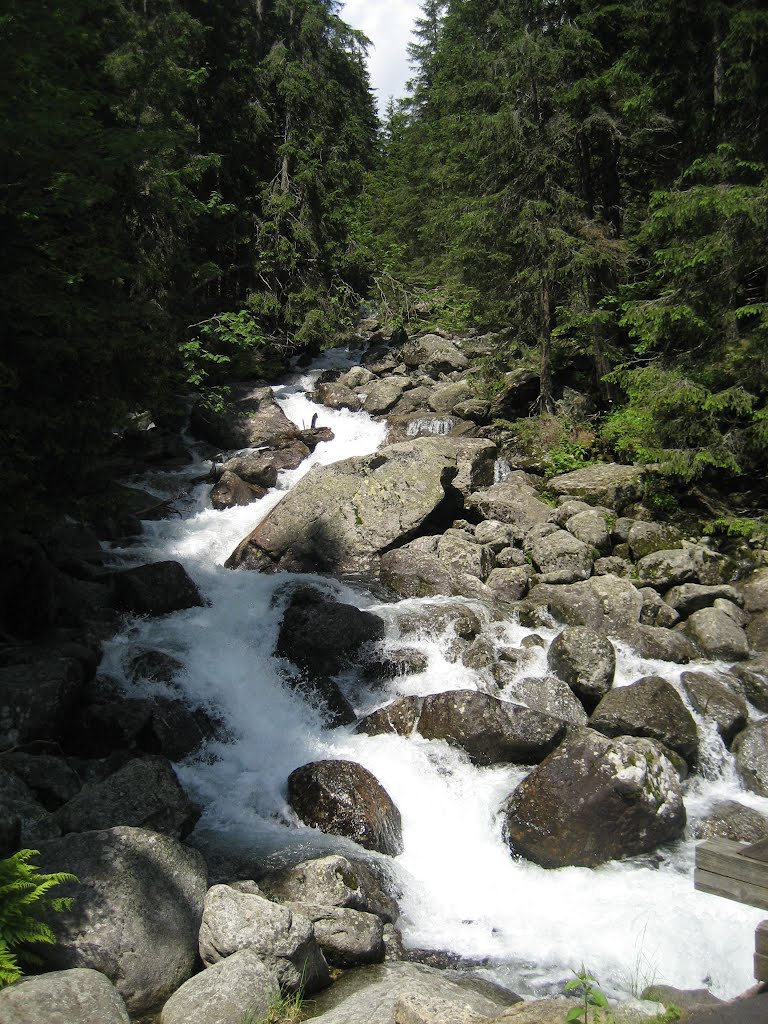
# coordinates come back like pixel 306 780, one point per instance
pixel 731 820
pixel 593 800
pixel 650 707
pixel 230 492
pixel 156 589
pixel 751 750
pixel 548 695
pixel 489 730
pixel 252 418
pixel 345 799
pixel 156 666
pixel 715 700
pixel 585 660
pixel 136 911
pixel 400 717
pixel 261 466
pixel 176 730
pixel 381 665
pixel 335 395
pixel 144 793
pixel 323 693
pixel 340 518
pixel 36 700
pixel 753 676
pixel 660 644
pixel 313 436
pixel 323 636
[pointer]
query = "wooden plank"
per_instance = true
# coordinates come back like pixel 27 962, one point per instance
pixel 756 851
pixel 731 888
pixel 722 857
pixel 761 967
pixel 761 939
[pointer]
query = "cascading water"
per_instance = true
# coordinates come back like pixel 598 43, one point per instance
pixel 631 922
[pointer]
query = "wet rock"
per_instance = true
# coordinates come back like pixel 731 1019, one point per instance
pixel 716 635
pixel 155 666
pixel 716 701
pixel 235 920
pixel 36 699
pixel 155 589
pixel 611 485
pixel 591 528
pixel 515 502
pixel 562 558
pixel 651 708
pixel 692 597
pixel 337 396
pixel 345 799
pixel 260 467
pixel 603 603
pixel 340 518
pixel 595 799
pixel 252 418
pixel 751 750
pixel 489 730
pixel 412 572
pixel 585 660
pixel 177 730
pixel 548 695
pixel 660 644
pixel 79 996
pixel 228 992
pixel 145 793
pixel 136 912
pixel 729 819
pixel 391 664
pixel 648 538
pixel 753 676
pixel 433 620
pixel 348 938
pixel 401 717
pixel 230 492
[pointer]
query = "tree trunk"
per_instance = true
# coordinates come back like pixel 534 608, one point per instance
pixel 546 396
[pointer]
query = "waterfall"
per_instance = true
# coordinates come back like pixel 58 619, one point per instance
pixel 631 922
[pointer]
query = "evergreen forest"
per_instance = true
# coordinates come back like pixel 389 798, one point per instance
pixel 193 191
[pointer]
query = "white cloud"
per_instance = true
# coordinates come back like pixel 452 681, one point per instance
pixel 388 24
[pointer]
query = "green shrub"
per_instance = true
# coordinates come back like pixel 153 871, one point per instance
pixel 24 901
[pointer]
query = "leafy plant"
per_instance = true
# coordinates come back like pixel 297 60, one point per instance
pixel 24 900
pixel 591 996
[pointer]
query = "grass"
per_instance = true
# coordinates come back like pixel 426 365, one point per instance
pixel 282 1009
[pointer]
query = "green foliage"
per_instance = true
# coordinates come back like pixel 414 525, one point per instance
pixel 282 1009
pixel 554 443
pixel 592 999
pixel 24 900
pixel 752 530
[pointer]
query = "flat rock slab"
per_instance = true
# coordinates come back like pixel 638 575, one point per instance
pixel 340 518
pixel 610 484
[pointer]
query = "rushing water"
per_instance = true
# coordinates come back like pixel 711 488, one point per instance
pixel 631 922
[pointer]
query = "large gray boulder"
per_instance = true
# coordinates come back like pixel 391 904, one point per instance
pixel 717 636
pixel 414 571
pixel 252 418
pixel 665 569
pixel 489 730
pixel 348 938
pixel 753 676
pixel 754 590
pixel 387 993
pixel 660 644
pixel 608 484
pixel 731 820
pixel 433 354
pixel 604 603
pixel 444 397
pixel 400 717
pixel 336 395
pixel 650 707
pixel 340 518
pixel 155 589
pixel 380 396
pixel 237 917
pixel 230 491
pixel 646 538
pixel 592 528
pixel 514 502
pixel 461 553
pixel 476 462
pixel 548 695
pixel 260 467
pixel 78 996
pixel 585 660
pixel 226 993
pixel 692 597
pixel 144 793
pixel 136 911
pixel 595 799
pixel 562 558
pixel 751 750
pixel 345 799
pixel 715 700
pixel 35 699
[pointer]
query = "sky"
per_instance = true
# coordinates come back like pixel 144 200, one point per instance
pixel 387 23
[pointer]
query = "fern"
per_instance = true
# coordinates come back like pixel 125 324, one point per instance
pixel 24 900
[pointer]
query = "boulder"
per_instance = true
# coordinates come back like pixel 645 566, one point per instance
pixel 562 558
pixel 436 619
pixel 78 996
pixel 461 553
pixel 154 666
pixel 591 528
pixel 665 569
pixel 476 461
pixel 489 730
pixel 716 701
pixel 510 584
pixel 692 597
pixel 357 377
pixel 345 799
pixel 381 395
pixel 595 799
pixel 603 484
pixel 474 409
pixel 446 396
pixel 242 987
pixel 237 918
pixel 340 518
pixel 51 779
pixel 659 644
pixel 389 993
pixel 753 676
pixel 37 698
pixel 177 730
pixel 230 492
pixel 754 590
pixel 519 393
pixel 27 588
pixel 495 535
pixel 652 708
pixel 260 466
pixel 401 717
pixel 585 660
pixel 322 636
pixel 336 395
pixel 548 695
pixel 716 635
pixel 335 881
pixel 393 663
pixel 757 631
pixel 514 502
pixel 155 589
pixel 729 819
pixel 410 571
pixel 604 603
pixel 348 938
pixel 23 821
pixel 656 611
pixel 647 538
pixel 434 354
pixel 251 418
pixel 145 793
pixel 136 912
pixel 751 750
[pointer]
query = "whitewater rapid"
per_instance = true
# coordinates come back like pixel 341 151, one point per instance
pixel 632 923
